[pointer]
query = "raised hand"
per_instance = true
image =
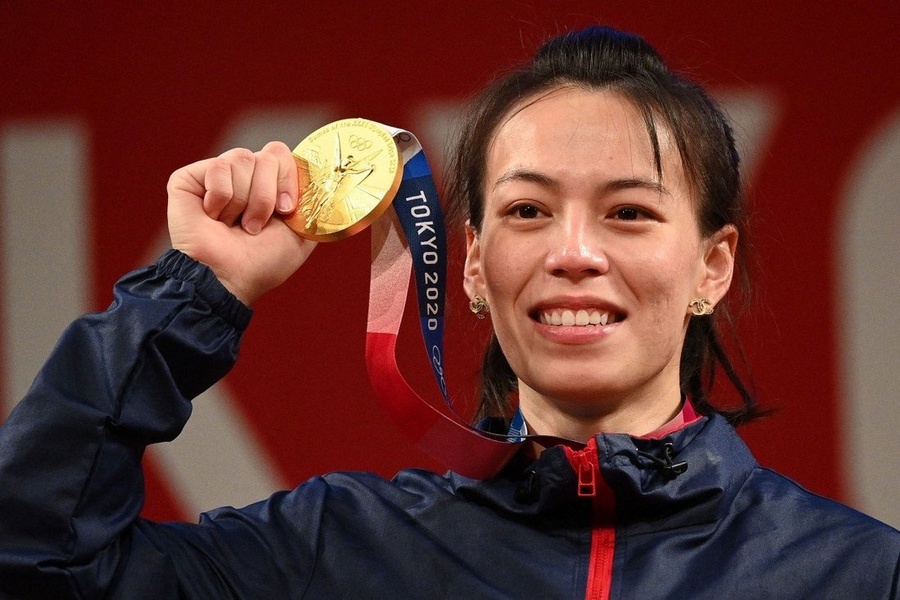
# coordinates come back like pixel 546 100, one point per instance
pixel 222 212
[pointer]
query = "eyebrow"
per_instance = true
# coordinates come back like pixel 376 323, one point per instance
pixel 526 175
pixel 611 186
pixel 636 182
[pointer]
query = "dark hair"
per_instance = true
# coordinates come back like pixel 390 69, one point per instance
pixel 601 58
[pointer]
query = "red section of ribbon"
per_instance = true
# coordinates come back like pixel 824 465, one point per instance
pixel 455 444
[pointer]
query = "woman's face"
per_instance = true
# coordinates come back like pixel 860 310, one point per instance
pixel 588 260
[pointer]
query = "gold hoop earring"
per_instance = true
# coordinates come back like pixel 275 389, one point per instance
pixel 479 306
pixel 700 307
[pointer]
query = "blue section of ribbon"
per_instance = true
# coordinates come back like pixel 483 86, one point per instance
pixel 417 166
pixel 419 210
pixel 517 427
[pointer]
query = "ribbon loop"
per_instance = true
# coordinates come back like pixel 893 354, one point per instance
pixel 413 239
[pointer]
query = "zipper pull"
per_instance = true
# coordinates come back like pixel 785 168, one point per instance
pixel 584 463
pixel 587 478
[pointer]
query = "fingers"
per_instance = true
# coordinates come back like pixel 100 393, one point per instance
pixel 287 187
pixel 263 189
pixel 247 187
pixel 227 183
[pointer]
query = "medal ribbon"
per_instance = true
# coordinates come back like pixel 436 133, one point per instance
pixel 413 238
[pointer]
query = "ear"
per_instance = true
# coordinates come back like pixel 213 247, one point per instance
pixel 473 275
pixel 718 264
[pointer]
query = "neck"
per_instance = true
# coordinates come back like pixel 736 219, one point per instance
pixel 580 420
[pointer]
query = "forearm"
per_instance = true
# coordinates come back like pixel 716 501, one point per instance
pixel 70 478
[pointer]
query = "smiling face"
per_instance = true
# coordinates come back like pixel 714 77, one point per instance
pixel 589 261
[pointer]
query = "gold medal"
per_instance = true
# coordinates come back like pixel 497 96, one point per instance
pixel 349 172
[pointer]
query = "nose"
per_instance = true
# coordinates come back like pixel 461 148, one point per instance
pixel 577 250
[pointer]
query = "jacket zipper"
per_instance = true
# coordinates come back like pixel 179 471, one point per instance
pixel 603 529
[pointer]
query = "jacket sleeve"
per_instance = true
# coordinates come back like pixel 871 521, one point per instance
pixel 71 485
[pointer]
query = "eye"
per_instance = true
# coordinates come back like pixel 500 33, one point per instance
pixel 628 213
pixel 526 211
pixel 631 213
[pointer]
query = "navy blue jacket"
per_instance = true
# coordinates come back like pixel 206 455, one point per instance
pixel 643 527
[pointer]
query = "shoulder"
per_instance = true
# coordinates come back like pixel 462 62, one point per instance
pixel 787 511
pixel 768 497
pixel 408 483
pixel 348 498
pixel 361 494
pixel 780 491
pixel 797 540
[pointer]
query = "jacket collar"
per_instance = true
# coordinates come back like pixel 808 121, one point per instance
pixel 648 497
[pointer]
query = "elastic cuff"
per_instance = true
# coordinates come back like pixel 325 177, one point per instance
pixel 207 287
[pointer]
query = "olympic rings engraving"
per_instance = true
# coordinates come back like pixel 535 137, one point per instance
pixel 357 142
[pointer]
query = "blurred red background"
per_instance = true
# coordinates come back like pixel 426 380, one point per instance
pixel 150 88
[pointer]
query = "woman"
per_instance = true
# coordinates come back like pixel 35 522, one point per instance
pixel 604 217
pixel 651 163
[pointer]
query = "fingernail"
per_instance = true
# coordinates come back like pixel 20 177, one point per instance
pixel 283 203
pixel 253 226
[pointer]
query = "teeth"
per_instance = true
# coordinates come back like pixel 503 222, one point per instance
pixel 570 318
